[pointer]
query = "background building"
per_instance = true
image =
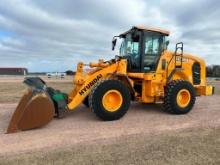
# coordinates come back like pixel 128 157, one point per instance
pixel 70 72
pixel 13 71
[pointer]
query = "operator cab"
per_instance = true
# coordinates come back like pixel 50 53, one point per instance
pixel 142 47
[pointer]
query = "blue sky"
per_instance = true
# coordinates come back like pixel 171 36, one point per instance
pixel 5 33
pixel 47 35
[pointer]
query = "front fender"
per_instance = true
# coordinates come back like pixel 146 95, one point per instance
pixel 83 91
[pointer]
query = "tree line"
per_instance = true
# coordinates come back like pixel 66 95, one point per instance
pixel 213 71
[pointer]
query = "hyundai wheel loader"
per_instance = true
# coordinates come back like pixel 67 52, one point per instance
pixel 144 71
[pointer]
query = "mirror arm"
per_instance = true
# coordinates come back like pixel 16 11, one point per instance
pixel 114 40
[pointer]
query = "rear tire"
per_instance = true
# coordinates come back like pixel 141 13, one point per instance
pixel 179 97
pixel 119 99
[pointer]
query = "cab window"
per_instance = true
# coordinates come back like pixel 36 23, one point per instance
pixel 152 50
pixel 130 48
pixel 152 45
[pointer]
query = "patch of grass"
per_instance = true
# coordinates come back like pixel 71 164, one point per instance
pixel 11 92
pixel 216 84
pixel 177 148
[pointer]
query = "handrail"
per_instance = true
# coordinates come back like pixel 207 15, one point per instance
pixel 168 65
pixel 175 55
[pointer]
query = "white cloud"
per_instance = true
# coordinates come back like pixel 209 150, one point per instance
pixel 52 35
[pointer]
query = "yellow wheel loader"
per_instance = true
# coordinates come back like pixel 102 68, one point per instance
pixel 144 71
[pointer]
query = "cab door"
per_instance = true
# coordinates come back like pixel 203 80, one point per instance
pixel 151 52
pixel 152 49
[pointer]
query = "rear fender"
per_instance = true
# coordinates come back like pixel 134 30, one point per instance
pixel 182 75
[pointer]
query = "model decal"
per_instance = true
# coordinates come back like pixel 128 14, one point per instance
pixel 90 84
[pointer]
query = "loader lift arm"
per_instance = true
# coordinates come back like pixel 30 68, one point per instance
pixel 84 84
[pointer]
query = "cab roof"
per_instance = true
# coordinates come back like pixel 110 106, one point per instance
pixel 144 28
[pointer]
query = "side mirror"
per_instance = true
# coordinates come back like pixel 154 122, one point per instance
pixel 114 43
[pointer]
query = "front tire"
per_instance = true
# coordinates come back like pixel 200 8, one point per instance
pixel 110 99
pixel 86 101
pixel 179 97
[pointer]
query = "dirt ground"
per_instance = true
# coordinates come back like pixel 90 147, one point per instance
pixel 81 127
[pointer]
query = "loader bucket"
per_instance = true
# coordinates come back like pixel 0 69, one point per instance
pixel 34 110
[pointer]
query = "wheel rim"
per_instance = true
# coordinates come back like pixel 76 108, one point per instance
pixel 183 98
pixel 112 100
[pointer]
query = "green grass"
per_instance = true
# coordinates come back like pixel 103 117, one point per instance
pixel 216 84
pixel 11 92
pixel 177 148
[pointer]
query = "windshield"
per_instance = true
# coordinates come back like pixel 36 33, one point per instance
pixel 129 47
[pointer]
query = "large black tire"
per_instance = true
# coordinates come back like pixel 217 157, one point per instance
pixel 171 92
pixel 86 101
pixel 96 96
